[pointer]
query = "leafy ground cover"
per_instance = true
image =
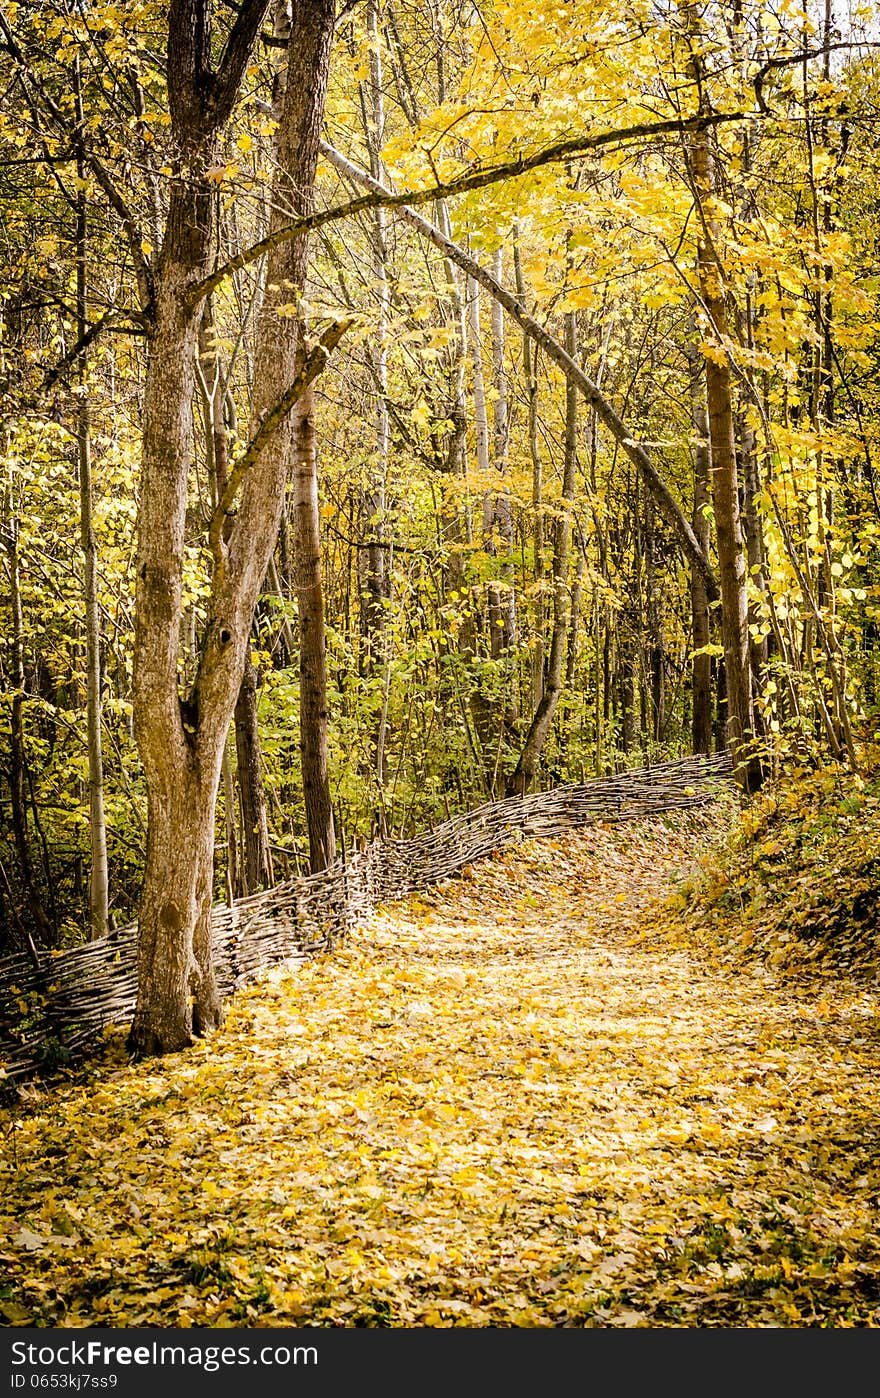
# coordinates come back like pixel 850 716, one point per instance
pixel 797 883
pixel 525 1098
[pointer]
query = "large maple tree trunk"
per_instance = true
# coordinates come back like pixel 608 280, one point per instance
pixel 174 969
pixel 181 749
pixel 182 739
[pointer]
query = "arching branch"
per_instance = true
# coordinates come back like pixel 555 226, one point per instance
pixel 606 413
pixel 380 197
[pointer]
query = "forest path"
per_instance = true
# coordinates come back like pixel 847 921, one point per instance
pixel 500 1104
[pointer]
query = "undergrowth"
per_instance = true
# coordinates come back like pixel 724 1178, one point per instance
pixel 795 879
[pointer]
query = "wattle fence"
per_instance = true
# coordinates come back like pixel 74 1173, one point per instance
pixel 53 1006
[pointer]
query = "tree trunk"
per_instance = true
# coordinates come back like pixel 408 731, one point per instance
pixel 256 865
pixel 182 740
pixel 530 367
pixel 626 681
pixel 312 640
pixel 754 542
pixel 17 753
pixel 503 610
pixel 655 714
pixel 173 968
pixel 524 772
pixel 374 590
pixel 175 740
pixel 486 711
pixel 731 559
pixel 701 673
pixel 98 874
pixel 725 483
pixel 256 862
pixel 233 882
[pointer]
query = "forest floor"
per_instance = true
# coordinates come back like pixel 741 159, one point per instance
pixel 531 1096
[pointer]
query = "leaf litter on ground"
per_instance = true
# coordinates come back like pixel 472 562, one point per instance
pixel 521 1098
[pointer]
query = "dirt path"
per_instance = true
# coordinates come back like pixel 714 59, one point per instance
pixel 499 1105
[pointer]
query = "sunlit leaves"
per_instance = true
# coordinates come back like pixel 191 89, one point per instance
pixel 516 1099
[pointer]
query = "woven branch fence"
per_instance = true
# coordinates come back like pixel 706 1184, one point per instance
pixel 52 1009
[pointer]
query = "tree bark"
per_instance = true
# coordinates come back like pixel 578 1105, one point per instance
pixel 98 872
pixel 174 923
pixel 530 354
pixel 256 862
pixel 312 641
pixel 17 752
pixel 278 357
pixel 754 543
pixel 656 714
pixel 503 605
pixel 486 711
pixel 701 672
pixel 722 436
pixel 255 868
pixel 524 773
pixel 181 740
pixel 725 482
pixel 373 559
pixel 167 730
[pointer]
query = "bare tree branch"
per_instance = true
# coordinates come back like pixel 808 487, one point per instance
pixel 110 321
pixel 790 59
